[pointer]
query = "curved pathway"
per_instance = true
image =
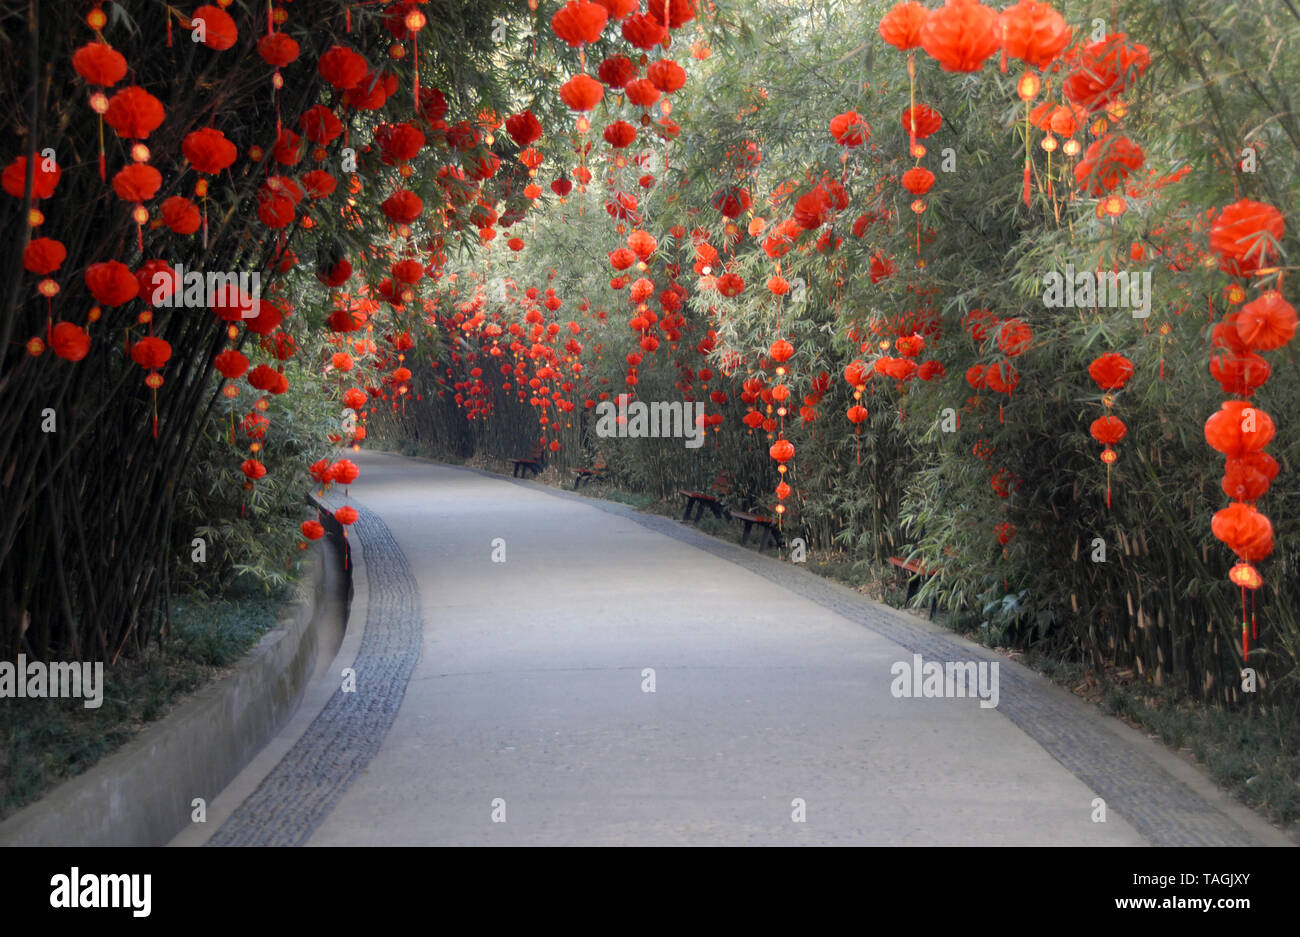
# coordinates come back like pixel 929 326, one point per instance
pixel 509 702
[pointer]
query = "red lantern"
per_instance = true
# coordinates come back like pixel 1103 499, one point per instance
pixel 342 67
pixel 579 22
pixel 99 63
pixel 901 26
pixel 961 35
pixel 1245 531
pixel 1033 32
pixel 1111 371
pixel 1267 322
pixel 111 283
pixel 1108 430
pixel 1239 429
pixel 277 49
pixel 134 113
pixel 231 364
pixel 69 341
pixel 849 129
pixel 402 207
pixel 581 92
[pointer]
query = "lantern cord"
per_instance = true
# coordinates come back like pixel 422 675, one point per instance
pixel 103 168
pixel 1254 625
pixel 1245 632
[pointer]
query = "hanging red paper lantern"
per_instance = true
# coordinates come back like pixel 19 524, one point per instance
pixel 666 75
pixel 1108 430
pixel 208 150
pixel 781 451
pixel 344 471
pixel 850 129
pixel 137 182
pixel 1240 374
pixel 252 469
pixel 780 351
pixel 921 121
pixel 579 22
pixel 180 215
pixel 918 180
pixel 524 128
pixel 319 124
pixel 43 255
pixel 277 49
pixel 1033 32
pixel 1014 337
pixel 99 63
pixel 231 364
pixel 1111 371
pixel 1239 429
pixel 642 92
pixel 399 142
pixel 342 68
pixel 69 341
pixel 111 283
pixel 346 515
pixel 313 530
pixel 620 134
pixel 1107 164
pixel 1104 70
pixel 582 92
pixel 134 113
pixel 1248 477
pixel 1243 234
pixel 616 71
pixel 961 35
pixel 901 26
pixel 642 243
pixel 402 207
pixel 644 32
pixel 1267 322
pixel 218 30
pixel 1246 531
pixel 319 184
pixel 675 13
pixel 151 353
pixel 44 181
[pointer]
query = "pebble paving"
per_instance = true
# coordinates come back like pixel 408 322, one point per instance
pixel 301 790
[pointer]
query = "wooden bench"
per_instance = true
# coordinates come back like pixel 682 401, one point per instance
pixel 697 501
pixel 768 525
pixel 584 475
pixel 533 463
pixel 916 573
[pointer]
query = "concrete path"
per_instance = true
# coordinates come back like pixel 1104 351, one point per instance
pixel 516 691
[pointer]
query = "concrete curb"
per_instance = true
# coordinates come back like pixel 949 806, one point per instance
pixel 141 795
pixel 319 690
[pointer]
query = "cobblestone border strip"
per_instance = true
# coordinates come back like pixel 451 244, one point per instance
pixel 304 786
pixel 1162 808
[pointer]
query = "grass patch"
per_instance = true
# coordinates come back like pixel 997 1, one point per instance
pixel 46 741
